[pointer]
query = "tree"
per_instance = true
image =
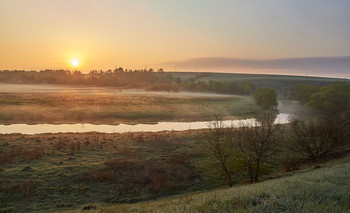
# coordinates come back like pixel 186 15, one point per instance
pixel 317 138
pixel 266 97
pixel 119 70
pixel 302 92
pixel 259 142
pixel 217 143
pixel 332 99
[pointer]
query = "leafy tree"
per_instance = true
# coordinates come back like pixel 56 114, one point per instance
pixel 331 99
pixel 302 92
pixel 266 97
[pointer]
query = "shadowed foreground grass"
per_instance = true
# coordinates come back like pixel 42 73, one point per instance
pixel 323 190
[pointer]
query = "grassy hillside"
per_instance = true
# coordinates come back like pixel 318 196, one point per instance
pixel 320 190
pixel 278 82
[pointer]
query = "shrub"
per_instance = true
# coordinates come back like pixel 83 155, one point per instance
pixel 317 138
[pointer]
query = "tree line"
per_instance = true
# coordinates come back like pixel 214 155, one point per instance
pixel 143 79
pixel 117 78
pixel 252 149
pixel 331 100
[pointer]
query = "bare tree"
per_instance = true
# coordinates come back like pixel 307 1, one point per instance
pixel 317 138
pixel 217 143
pixel 259 141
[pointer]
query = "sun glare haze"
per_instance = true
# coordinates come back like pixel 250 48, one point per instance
pixel 74 62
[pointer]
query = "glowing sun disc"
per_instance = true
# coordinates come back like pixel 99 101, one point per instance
pixel 74 62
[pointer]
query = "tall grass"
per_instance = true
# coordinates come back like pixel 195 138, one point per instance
pixel 321 190
pixel 20 154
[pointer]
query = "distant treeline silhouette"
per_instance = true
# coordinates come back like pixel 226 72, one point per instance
pixel 116 78
pixel 148 79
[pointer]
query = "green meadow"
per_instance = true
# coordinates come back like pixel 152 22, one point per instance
pixel 120 107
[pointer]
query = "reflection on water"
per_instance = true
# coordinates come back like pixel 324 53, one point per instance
pixel 161 126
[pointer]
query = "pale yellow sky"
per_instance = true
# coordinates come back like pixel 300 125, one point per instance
pixel 103 34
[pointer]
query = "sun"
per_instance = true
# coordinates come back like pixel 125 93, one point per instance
pixel 74 62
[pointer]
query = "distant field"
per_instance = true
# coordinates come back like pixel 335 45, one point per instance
pixel 34 104
pixel 240 77
pixel 279 82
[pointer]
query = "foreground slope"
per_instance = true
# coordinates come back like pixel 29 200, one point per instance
pixel 321 190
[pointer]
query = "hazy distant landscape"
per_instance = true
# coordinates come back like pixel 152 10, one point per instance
pixel 96 170
pixel 208 93
pixel 174 106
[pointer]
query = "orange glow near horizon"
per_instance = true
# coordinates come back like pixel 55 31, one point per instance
pixel 147 34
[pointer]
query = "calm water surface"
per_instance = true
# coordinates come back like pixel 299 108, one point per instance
pixel 121 128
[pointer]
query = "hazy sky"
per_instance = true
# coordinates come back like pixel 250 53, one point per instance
pixel 103 34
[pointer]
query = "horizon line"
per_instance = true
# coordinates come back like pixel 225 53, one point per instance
pixel 192 71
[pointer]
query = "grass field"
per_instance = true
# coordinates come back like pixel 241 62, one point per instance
pixel 322 190
pixel 112 107
pixel 57 172
pixel 64 171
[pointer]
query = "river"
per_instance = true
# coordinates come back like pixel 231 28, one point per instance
pixel 122 128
